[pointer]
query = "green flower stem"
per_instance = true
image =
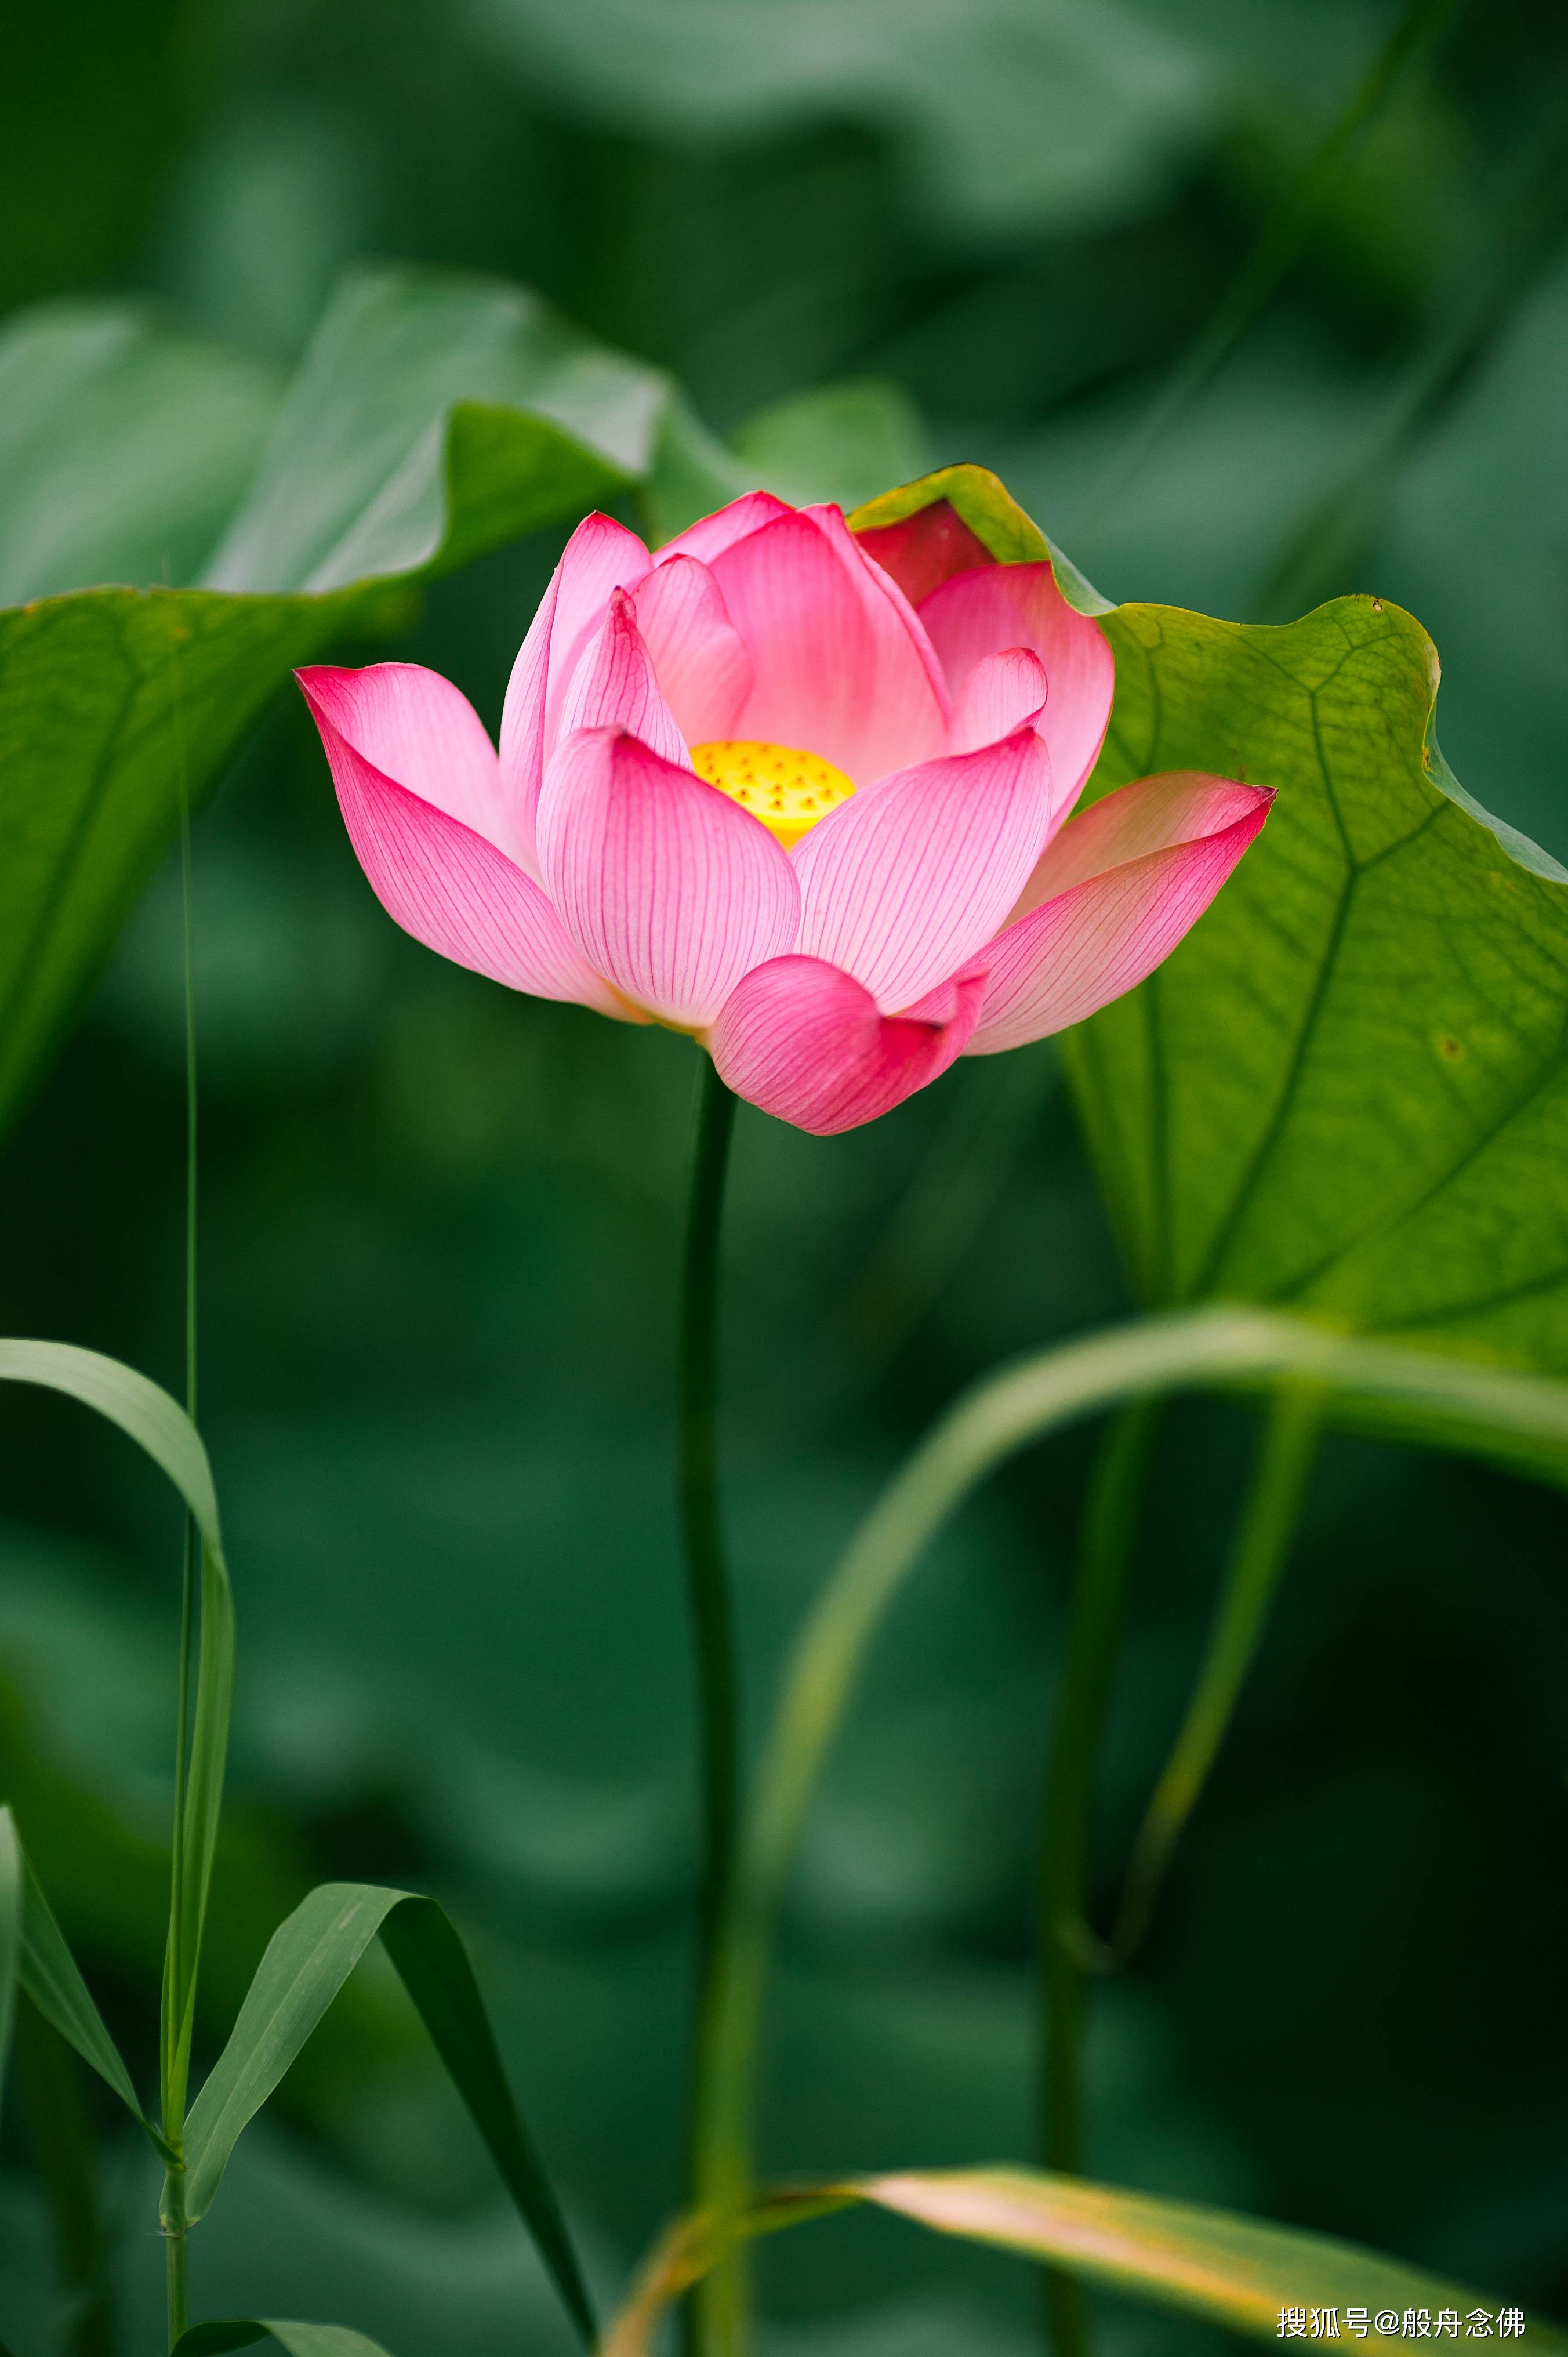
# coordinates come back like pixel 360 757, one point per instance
pixel 1258 1558
pixel 179 1969
pixel 713 2317
pixel 176 2252
pixel 1094 1643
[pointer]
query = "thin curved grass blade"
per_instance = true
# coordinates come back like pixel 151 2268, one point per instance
pixel 10 1933
pixel 1234 1348
pixel 224 2333
pixel 1231 2271
pixel 139 1406
pixel 159 1425
pixel 434 1967
pixel 204 1778
pixel 49 1973
pixel 308 1960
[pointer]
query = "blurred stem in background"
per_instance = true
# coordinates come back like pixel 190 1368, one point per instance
pixel 179 1969
pixel 1068 1951
pixel 995 1110
pixel 1280 245
pixel 1530 218
pixel 712 1619
pixel 1110 1520
pixel 1263 1541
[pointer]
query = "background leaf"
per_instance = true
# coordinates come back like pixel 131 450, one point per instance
pixel 1002 113
pixel 843 442
pixel 434 415
pixel 354 483
pixel 125 446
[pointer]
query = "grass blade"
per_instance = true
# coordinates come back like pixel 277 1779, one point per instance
pixel 1233 2271
pixel 434 1967
pixel 47 1970
pixel 140 1407
pixel 10 1933
pixel 204 1784
pixel 308 1960
pixel 300 2340
pixel 161 1426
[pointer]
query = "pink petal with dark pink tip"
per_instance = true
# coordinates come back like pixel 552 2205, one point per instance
pixel 925 549
pixel 418 729
pixel 841 664
pixel 978 614
pixel 902 885
pixel 808 1044
pixel 1125 882
pixel 601 555
pixel 1005 691
pixel 614 687
pixel 450 887
pixel 665 885
pixel 713 533
pixel 698 655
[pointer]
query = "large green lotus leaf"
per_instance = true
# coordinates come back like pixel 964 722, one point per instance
pixel 124 446
pixel 352 483
pixel 1348 1089
pixel 432 416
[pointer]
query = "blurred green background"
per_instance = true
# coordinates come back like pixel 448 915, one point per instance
pixel 440 1223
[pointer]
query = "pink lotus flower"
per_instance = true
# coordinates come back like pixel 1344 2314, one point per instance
pixel 746 788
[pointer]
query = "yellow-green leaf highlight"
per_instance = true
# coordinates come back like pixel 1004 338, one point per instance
pixel 1229 2270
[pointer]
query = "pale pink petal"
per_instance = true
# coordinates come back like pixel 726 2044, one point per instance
pixel 698 654
pixel 1154 815
pixel 665 885
pixel 886 596
pixel 601 555
pixel 711 535
pixel 841 665
pixel 1127 884
pixel 978 614
pixel 1002 693
pixel 614 687
pixel 450 887
pixel 420 730
pixel 903 884
pixel 808 1043
pixel 925 549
